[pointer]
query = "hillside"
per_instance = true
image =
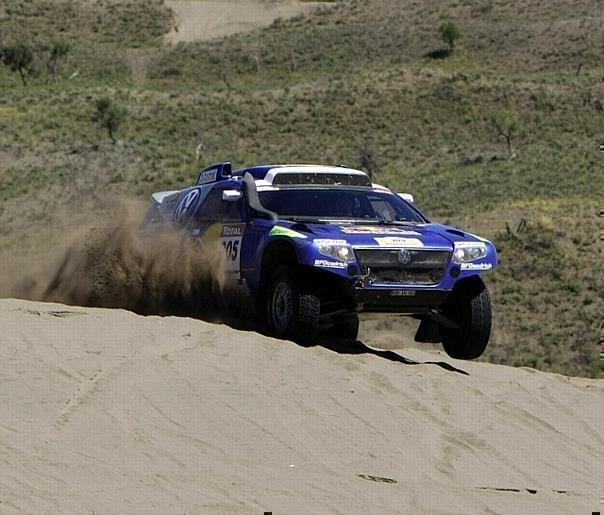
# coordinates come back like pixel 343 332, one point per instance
pixel 104 411
pixel 351 78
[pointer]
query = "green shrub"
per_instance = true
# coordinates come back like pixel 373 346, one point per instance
pixel 450 34
pixel 109 116
pixel 18 58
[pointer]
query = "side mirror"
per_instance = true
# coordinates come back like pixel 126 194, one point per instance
pixel 406 196
pixel 231 195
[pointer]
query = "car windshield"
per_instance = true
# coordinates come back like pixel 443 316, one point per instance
pixel 343 204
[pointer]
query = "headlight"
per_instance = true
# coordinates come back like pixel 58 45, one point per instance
pixel 342 252
pixel 467 251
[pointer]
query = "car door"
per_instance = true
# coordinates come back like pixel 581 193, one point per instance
pixel 219 224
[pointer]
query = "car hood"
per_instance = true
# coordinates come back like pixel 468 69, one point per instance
pixel 372 235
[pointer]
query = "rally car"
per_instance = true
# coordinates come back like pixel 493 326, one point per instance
pixel 313 246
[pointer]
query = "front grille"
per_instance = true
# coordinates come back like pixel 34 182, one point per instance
pixel 388 266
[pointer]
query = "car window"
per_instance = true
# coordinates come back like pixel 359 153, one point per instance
pixel 214 209
pixel 328 203
pixel 383 209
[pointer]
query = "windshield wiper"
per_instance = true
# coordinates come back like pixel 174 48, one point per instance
pixel 383 221
pixel 305 220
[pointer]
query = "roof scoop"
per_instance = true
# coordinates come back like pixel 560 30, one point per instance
pixel 217 172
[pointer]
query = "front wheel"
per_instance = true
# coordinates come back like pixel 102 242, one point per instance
pixel 291 313
pixel 470 308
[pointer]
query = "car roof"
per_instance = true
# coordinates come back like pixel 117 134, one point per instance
pixel 276 176
pixel 267 172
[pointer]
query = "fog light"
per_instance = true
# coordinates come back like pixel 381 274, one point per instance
pixel 455 270
pixel 352 270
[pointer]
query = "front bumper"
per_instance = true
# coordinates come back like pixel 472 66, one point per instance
pixel 397 300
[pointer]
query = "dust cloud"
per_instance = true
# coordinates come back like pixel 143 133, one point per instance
pixel 108 264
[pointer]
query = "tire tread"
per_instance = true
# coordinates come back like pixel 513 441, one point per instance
pixel 472 306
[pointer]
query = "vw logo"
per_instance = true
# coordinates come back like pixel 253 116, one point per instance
pixel 404 257
pixel 186 205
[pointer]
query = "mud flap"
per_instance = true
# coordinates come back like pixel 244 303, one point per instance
pixel 428 332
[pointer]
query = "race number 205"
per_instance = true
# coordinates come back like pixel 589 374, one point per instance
pixel 231 248
pixel 230 238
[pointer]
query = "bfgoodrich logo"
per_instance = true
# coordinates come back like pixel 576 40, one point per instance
pixel 476 266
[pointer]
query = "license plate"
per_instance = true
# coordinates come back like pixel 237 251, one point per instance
pixel 402 293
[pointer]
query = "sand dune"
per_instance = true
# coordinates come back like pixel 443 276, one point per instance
pixel 104 411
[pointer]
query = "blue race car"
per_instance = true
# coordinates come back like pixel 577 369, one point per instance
pixel 312 246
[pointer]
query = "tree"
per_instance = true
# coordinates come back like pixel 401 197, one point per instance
pixel 227 82
pixel 368 159
pixel 109 116
pixel 59 50
pixel 256 57
pixel 450 34
pixel 18 58
pixel 505 126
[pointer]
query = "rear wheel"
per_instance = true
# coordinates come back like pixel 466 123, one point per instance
pixel 291 313
pixel 470 308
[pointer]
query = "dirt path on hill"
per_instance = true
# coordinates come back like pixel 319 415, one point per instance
pixel 208 19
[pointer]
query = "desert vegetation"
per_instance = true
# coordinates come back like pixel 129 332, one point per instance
pixel 450 34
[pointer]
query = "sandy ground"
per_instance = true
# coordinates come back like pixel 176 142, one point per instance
pixel 207 19
pixel 104 411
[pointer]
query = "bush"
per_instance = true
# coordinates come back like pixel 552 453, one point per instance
pixel 109 116
pixel 18 58
pixel 450 34
pixel 58 51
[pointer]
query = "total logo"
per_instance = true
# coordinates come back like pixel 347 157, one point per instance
pixel 232 230
pixel 476 266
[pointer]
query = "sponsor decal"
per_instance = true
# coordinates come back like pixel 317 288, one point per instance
pixel 232 230
pixel 329 264
pixel 209 176
pixel 476 266
pixel 377 229
pixel 330 242
pixel 284 231
pixel 211 235
pixel 470 244
pixel 186 205
pixel 230 238
pixel 399 242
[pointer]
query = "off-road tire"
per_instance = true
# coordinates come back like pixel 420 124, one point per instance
pixel 290 312
pixel 470 308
